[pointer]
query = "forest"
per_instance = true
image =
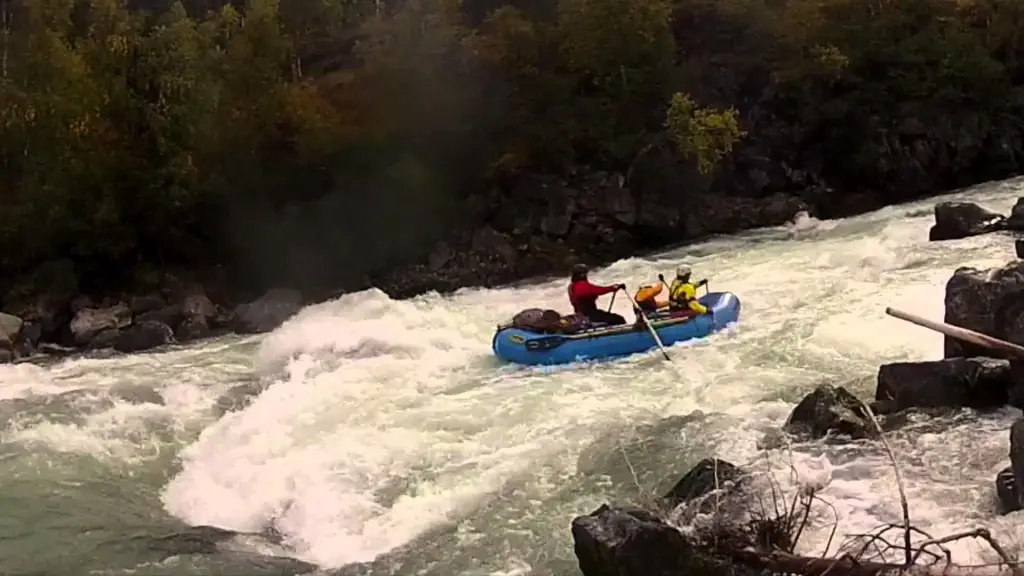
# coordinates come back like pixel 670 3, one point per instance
pixel 143 135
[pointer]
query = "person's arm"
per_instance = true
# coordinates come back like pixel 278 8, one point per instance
pixel 697 307
pixel 588 290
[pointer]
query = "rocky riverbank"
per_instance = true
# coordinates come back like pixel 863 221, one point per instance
pixel 626 541
pixel 62 321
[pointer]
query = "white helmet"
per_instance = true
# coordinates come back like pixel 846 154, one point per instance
pixel 683 271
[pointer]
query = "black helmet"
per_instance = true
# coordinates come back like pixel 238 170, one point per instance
pixel 579 271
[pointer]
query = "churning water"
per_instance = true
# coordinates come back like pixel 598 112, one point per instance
pixel 375 436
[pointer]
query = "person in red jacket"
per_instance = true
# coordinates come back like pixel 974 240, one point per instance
pixel 583 296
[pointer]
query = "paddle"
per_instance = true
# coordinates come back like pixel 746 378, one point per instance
pixel 650 328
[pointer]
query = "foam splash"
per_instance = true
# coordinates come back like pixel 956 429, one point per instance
pixel 384 420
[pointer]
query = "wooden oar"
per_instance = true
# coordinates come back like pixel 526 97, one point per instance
pixel 976 338
pixel 650 328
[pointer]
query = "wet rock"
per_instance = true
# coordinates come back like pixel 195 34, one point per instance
pixel 442 254
pixel 950 383
pixel 192 328
pixel 198 305
pixel 89 322
pixel 955 220
pixel 191 540
pixel 10 330
pixel 268 312
pixel 1017 454
pixel 198 312
pixel 1006 491
pixel 146 303
pixel 103 340
pixel 171 315
pixel 633 542
pixel 81 302
pixel 1016 220
pixel 560 211
pixel 830 409
pixel 144 335
pixel 1018 246
pixel 987 301
pixel 618 203
pixel 43 297
pixel 6 356
pixel 708 475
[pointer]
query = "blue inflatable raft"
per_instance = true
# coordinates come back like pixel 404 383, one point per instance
pixel 524 347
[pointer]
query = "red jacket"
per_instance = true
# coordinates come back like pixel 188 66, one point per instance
pixel 583 295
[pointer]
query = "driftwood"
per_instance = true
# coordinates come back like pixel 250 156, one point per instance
pixel 783 563
pixel 925 558
pixel 970 336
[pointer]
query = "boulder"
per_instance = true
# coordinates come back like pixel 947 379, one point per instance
pixel 1017 453
pixel 266 313
pixel 146 303
pixel 1006 491
pixel 143 335
pixel 10 331
pixel 830 409
pixel 708 475
pixel 1016 220
pixel 1008 488
pixel 950 383
pixel 1018 247
pixel 89 322
pixel 171 315
pixel 987 301
pixel 955 220
pixel 626 541
pixel 198 313
pixel 42 298
pixel 618 203
pixel 104 339
pixel 192 328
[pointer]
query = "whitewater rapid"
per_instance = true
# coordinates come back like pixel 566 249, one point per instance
pixel 368 430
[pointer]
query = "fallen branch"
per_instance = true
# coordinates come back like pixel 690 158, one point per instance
pixel 970 336
pixel 783 563
pixel 786 562
pixel 904 506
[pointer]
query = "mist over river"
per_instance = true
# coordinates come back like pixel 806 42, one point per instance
pixel 372 436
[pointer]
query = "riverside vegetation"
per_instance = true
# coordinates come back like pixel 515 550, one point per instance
pixel 326 145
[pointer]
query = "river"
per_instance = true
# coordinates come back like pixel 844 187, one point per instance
pixel 372 436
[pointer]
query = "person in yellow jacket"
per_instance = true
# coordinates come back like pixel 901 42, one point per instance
pixel 682 294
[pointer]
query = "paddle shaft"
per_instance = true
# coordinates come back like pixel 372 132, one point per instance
pixel 976 338
pixel 612 303
pixel 650 328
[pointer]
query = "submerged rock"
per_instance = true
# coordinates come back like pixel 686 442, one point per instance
pixel 830 409
pixel 955 220
pixel 949 383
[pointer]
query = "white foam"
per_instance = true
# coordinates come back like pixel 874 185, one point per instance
pixel 387 419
